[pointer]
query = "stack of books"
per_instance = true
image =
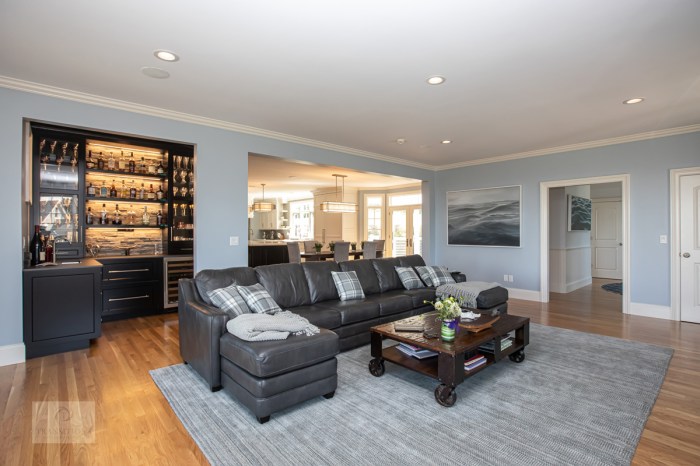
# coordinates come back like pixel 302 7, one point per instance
pixel 506 342
pixel 415 351
pixel 474 362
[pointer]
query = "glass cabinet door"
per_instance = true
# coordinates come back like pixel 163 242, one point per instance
pixel 58 165
pixel 59 216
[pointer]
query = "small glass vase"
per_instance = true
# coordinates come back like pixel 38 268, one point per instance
pixel 448 330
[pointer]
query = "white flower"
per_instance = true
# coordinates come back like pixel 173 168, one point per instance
pixel 438 306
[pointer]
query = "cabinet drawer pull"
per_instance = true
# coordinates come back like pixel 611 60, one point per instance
pixel 127 271
pixel 130 297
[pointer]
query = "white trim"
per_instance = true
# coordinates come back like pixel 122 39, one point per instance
pixel 92 99
pixel 12 354
pixel 572 286
pixel 544 230
pixel 573 147
pixel 651 310
pixel 527 295
pixel 675 196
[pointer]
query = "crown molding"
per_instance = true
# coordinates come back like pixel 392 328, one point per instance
pixel 92 99
pixel 573 147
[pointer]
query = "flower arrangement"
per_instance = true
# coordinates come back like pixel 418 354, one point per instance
pixel 448 308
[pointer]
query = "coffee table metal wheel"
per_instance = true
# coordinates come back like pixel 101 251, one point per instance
pixel 376 367
pixel 518 356
pixel 445 395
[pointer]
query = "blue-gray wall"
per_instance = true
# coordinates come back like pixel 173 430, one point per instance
pixel 221 179
pixel 647 162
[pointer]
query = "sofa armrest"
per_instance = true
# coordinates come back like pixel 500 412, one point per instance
pixel 201 328
pixel 458 277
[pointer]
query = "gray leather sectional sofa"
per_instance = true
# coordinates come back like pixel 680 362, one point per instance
pixel 306 289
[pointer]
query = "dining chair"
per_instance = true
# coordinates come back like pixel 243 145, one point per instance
pixel 341 251
pixel 369 251
pixel 294 253
pixel 380 246
pixel 309 246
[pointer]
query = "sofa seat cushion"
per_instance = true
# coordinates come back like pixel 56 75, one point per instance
pixel 421 294
pixel 492 297
pixel 212 279
pixel 356 310
pixel 319 315
pixel 392 302
pixel 269 358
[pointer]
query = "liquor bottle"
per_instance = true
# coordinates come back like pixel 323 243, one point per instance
pixel 161 169
pixel 159 193
pixel 151 168
pixel 42 250
pixel 142 166
pixel 100 162
pixel 159 218
pixel 113 190
pixel 104 191
pixel 123 164
pixel 125 191
pixel 89 219
pixel 145 218
pixel 132 190
pixel 132 164
pixel 151 194
pixel 91 190
pixel 49 248
pixel 117 219
pixel 130 215
pixel 103 215
pixel 111 163
pixel 89 162
pixel 142 192
pixel 35 245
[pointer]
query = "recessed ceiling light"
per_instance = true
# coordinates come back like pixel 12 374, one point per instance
pixel 155 72
pixel 166 55
pixel 636 100
pixel 446 141
pixel 435 80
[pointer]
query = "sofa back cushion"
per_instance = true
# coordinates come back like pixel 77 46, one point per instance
pixel 411 261
pixel 286 283
pixel 211 279
pixel 320 281
pixel 365 272
pixel 387 276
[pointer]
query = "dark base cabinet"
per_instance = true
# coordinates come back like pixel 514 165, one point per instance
pixel 62 307
pixel 266 255
pixel 131 287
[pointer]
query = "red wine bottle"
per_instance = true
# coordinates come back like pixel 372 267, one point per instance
pixel 35 246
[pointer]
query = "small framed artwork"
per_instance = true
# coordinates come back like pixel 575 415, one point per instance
pixel 579 213
pixel 484 217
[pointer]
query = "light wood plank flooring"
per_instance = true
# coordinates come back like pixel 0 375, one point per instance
pixel 135 425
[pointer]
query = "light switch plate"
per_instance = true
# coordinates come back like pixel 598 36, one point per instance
pixel 233 241
pixel 663 239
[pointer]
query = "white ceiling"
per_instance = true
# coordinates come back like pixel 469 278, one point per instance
pixel 522 75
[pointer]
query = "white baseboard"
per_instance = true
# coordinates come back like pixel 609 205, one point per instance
pixel 11 354
pixel 650 310
pixel 578 284
pixel 527 295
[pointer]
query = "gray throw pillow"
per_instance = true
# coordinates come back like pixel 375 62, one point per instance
pixel 440 276
pixel 228 299
pixel 424 272
pixel 348 285
pixel 409 278
pixel 258 299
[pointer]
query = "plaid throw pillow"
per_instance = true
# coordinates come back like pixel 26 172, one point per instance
pixel 440 276
pixel 228 299
pixel 258 299
pixel 424 273
pixel 348 285
pixel 409 278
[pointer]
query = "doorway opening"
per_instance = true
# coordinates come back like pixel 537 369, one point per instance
pixel 584 252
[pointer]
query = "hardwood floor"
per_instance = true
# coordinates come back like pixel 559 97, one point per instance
pixel 135 425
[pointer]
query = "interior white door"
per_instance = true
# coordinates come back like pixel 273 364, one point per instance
pixel 606 239
pixel 690 248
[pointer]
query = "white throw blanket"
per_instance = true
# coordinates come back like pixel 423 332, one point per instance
pixel 263 327
pixel 468 291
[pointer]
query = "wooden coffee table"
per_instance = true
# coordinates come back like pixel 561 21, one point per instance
pixel 448 365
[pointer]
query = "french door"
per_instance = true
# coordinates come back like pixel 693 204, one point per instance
pixel 405 232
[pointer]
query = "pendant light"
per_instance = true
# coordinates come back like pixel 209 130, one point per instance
pixel 261 205
pixel 339 207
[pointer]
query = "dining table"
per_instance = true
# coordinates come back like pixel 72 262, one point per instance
pixel 323 255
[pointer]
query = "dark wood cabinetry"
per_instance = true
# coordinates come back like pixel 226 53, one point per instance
pixel 62 307
pixel 131 286
pixel 266 255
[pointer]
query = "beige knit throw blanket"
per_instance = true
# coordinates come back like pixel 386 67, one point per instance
pixel 263 327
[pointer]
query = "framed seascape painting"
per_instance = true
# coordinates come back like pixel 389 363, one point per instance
pixel 579 213
pixel 484 217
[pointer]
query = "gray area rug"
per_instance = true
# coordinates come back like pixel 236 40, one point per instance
pixel 576 399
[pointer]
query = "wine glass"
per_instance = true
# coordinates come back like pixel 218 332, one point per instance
pixel 178 161
pixel 183 191
pixel 74 158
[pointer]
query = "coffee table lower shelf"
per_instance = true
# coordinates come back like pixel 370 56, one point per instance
pixel 448 366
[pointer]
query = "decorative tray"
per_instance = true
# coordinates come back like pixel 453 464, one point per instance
pixel 480 323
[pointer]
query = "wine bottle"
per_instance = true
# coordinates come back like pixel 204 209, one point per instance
pixel 42 249
pixel 35 245
pixel 49 249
